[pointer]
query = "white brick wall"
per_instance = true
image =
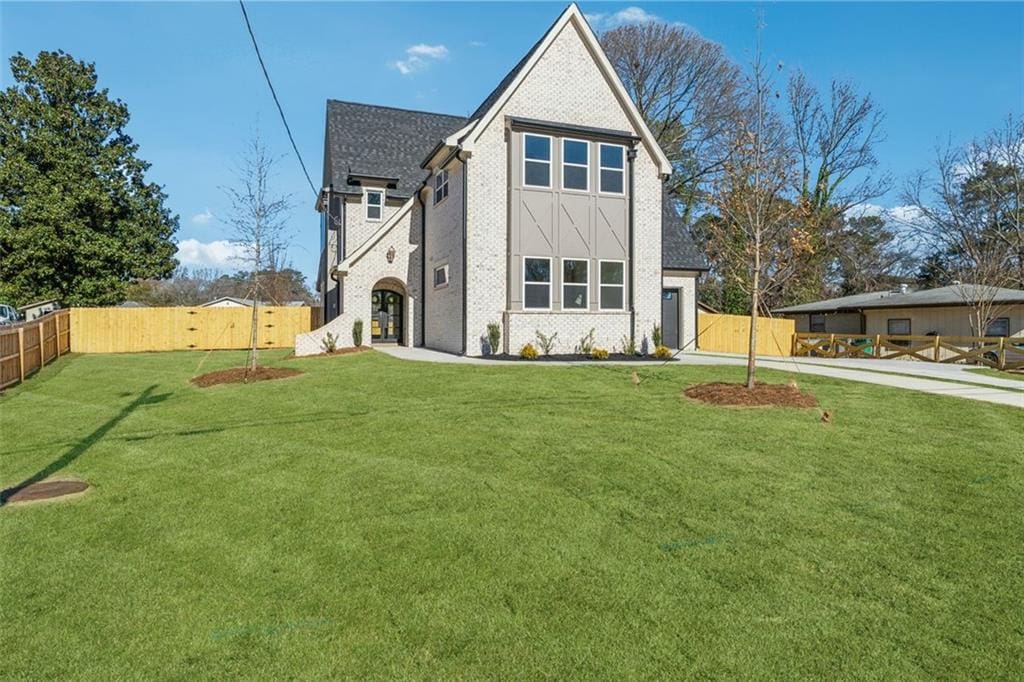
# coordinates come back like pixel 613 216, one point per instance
pixel 609 329
pixel 686 282
pixel 566 85
pixel 444 246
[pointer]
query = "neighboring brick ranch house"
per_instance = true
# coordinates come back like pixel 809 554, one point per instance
pixel 544 210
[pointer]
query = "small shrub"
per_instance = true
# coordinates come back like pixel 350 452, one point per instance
pixel 656 337
pixel 546 343
pixel 329 342
pixel 628 345
pixel 494 336
pixel 598 353
pixel 357 333
pixel 586 344
pixel 662 352
pixel 528 352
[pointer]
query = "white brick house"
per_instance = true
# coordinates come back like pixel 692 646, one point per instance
pixel 541 211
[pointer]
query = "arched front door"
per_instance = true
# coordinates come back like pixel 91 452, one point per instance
pixel 386 321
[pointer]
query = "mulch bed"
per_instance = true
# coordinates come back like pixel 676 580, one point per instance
pixel 577 357
pixel 238 375
pixel 762 395
pixel 45 490
pixel 349 350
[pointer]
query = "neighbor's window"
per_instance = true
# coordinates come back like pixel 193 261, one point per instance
pixel 613 168
pixel 374 204
pixel 613 285
pixel 537 283
pixel 537 160
pixel 574 283
pixel 898 325
pixel 575 164
pixel 1000 326
pixel 817 322
pixel 440 187
pixel 441 276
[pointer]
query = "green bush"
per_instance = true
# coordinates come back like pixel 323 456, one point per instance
pixel 546 343
pixel 599 353
pixel 662 352
pixel 329 342
pixel 494 337
pixel 528 352
pixel 656 336
pixel 628 345
pixel 586 344
pixel 357 333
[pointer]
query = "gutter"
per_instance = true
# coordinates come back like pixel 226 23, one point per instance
pixel 465 250
pixel 423 267
pixel 631 158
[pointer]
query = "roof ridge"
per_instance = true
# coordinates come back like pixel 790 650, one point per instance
pixel 385 106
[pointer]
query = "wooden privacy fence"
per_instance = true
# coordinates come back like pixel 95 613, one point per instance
pixel 731 334
pixel 26 347
pixel 994 351
pixel 136 330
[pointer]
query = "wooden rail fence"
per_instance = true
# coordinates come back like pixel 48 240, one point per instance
pixel 137 330
pixel 26 347
pixel 731 333
pixel 995 351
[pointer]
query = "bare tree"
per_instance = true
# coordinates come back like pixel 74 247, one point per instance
pixel 685 88
pixel 969 208
pixel 756 232
pixel 257 219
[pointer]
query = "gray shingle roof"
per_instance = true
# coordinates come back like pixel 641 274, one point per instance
pixel 678 250
pixel 955 294
pixel 370 140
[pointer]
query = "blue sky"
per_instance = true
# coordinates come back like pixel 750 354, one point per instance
pixel 192 83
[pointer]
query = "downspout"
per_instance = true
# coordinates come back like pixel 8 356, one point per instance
pixel 631 157
pixel 696 311
pixel 465 250
pixel 423 266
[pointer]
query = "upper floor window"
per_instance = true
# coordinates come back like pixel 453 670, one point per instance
pixel 613 169
pixel 536 160
pixel 440 187
pixel 537 283
pixel 575 164
pixel 613 285
pixel 441 276
pixel 374 205
pixel 575 283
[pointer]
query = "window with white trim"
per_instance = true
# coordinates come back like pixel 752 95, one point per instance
pixel 575 164
pixel 613 285
pixel 441 276
pixel 612 169
pixel 440 186
pixel 575 281
pixel 374 200
pixel 537 283
pixel 536 160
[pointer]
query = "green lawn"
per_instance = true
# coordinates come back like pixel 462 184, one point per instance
pixel 377 518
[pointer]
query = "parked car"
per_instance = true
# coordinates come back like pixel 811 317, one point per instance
pixel 1014 353
pixel 8 314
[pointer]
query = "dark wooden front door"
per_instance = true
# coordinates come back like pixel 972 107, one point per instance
pixel 386 322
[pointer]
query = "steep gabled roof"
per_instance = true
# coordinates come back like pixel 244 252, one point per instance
pixel 366 140
pixel 678 250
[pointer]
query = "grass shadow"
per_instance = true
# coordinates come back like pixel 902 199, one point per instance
pixel 147 397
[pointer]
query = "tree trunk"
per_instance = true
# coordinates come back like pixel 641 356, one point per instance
pixel 752 347
pixel 254 330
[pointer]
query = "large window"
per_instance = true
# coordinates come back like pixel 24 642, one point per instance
pixel 536 160
pixel 537 283
pixel 613 169
pixel 374 199
pixel 898 325
pixel 440 186
pixel 1000 326
pixel 613 285
pixel 575 165
pixel 575 280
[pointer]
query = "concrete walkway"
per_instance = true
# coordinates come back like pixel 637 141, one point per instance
pixel 936 379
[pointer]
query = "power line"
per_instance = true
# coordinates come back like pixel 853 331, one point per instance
pixel 280 110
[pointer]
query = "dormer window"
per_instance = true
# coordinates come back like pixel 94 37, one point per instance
pixel 374 200
pixel 440 186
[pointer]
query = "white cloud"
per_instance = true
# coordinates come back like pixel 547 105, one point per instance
pixel 477 43
pixel 900 215
pixel 216 254
pixel 418 57
pixel 603 21
pixel 203 218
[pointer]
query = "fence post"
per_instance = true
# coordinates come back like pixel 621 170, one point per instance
pixel 42 347
pixel 792 345
pixel 831 345
pixel 878 345
pixel 56 326
pixel 1002 352
pixel 21 353
pixel 935 345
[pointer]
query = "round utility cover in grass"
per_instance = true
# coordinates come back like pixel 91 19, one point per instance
pixel 47 490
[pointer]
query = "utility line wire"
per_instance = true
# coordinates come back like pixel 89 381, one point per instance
pixel 280 110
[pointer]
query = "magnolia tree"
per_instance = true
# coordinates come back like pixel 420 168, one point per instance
pixel 257 218
pixel 968 209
